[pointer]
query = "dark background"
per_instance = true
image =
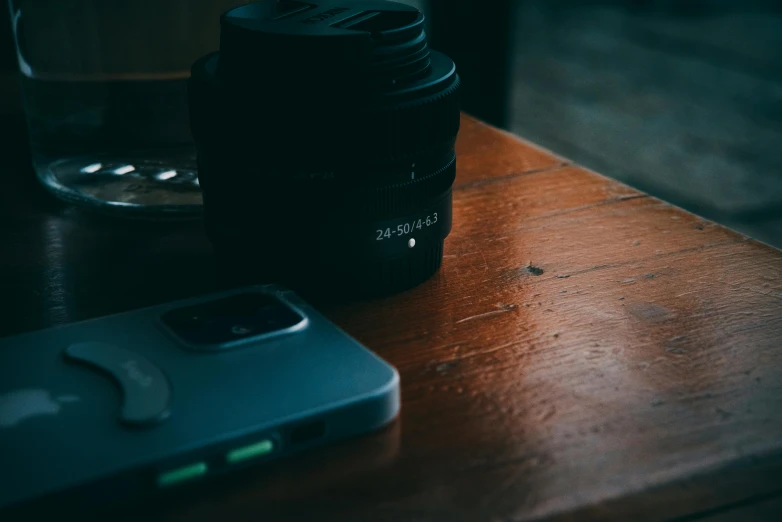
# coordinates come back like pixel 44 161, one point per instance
pixel 682 99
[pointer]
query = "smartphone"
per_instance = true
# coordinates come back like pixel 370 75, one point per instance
pixel 149 401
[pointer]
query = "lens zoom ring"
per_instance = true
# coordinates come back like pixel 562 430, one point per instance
pixel 391 132
pixel 367 203
pixel 411 129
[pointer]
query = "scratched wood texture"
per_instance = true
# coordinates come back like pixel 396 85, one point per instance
pixel 585 352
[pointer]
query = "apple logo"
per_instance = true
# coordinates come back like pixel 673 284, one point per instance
pixel 21 404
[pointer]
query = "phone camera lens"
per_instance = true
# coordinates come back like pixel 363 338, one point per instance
pixel 241 329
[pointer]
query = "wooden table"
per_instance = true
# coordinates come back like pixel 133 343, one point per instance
pixel 586 351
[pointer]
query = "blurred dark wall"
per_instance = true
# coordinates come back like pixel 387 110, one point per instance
pixel 7 56
pixel 477 35
pixel 673 5
pixel 10 97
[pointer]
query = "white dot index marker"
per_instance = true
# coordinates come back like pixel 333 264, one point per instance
pixel 411 243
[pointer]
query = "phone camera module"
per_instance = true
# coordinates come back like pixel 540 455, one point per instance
pixel 240 316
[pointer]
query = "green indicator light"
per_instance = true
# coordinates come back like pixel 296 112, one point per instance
pixel 178 475
pixel 258 449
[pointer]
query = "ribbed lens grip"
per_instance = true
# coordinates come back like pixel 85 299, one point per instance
pixel 389 130
pixel 365 203
pixel 413 128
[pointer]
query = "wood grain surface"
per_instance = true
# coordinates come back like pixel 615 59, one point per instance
pixel 585 352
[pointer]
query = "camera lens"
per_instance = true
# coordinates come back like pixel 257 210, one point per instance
pixel 240 329
pixel 325 135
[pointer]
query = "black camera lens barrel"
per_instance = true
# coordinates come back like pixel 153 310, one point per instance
pixel 325 137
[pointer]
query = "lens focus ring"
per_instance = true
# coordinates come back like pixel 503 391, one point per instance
pixel 367 202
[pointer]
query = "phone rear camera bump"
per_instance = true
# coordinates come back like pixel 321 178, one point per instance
pixel 229 319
